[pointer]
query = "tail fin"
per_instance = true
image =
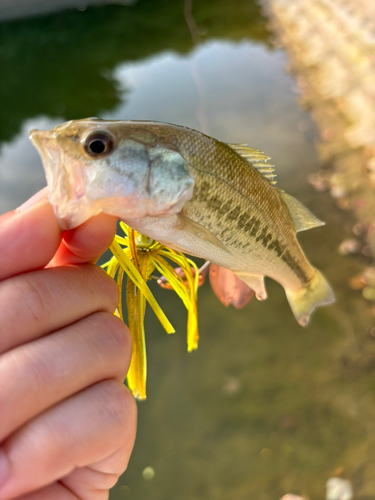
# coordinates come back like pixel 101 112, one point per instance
pixel 314 294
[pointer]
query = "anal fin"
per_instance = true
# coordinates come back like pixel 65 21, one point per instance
pixel 255 282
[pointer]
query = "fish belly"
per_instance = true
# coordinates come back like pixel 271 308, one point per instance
pixel 240 254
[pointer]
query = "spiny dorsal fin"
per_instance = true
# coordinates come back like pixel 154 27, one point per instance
pixel 257 159
pixel 302 217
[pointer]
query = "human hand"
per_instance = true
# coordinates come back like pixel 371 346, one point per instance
pixel 67 422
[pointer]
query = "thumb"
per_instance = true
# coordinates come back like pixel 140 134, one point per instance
pixel 29 237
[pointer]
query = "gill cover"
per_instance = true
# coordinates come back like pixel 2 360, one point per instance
pixel 134 180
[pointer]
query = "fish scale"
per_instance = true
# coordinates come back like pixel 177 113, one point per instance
pixel 188 191
pixel 226 182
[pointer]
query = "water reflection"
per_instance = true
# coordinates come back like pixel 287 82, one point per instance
pixel 20 169
pixel 242 81
pixel 263 408
pixel 16 9
pixel 61 65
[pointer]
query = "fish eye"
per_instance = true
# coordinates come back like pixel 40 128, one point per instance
pixel 98 144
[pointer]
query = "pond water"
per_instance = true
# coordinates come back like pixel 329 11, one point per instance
pixel 264 407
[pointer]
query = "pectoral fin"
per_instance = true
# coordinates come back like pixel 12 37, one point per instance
pixel 254 281
pixel 188 225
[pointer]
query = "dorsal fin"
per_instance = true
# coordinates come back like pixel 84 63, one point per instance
pixel 257 159
pixel 302 217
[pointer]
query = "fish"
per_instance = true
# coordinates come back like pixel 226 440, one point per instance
pixel 188 191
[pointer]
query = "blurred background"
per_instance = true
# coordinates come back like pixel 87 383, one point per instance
pixel 263 408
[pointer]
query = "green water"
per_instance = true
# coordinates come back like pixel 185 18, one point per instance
pixel 263 407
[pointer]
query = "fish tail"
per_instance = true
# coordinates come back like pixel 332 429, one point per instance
pixel 316 293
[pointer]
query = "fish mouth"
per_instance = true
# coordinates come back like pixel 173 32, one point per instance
pixel 64 176
pixel 45 143
pixel 51 154
pixel 40 138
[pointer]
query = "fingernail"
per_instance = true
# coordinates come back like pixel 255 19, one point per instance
pixel 38 197
pixel 4 468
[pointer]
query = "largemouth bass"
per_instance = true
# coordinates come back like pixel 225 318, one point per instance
pixel 188 191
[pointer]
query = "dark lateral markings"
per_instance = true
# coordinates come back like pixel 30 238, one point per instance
pixel 288 259
pixel 249 225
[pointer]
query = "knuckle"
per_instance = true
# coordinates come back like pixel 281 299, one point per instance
pixel 34 296
pixel 116 338
pixel 120 404
pixel 107 285
pixel 116 330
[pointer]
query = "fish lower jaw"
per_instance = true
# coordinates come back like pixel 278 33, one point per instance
pixel 71 216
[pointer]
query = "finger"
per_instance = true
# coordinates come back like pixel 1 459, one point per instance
pixel 51 299
pixel 84 483
pixel 28 239
pixel 38 197
pixel 86 242
pixel 41 195
pixel 55 491
pixel 82 429
pixel 98 477
pixel 50 369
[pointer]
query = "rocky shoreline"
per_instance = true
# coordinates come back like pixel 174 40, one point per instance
pixel 331 50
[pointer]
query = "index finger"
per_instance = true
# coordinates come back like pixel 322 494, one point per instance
pixel 86 242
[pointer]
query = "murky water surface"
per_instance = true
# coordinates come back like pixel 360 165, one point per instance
pixel 264 407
